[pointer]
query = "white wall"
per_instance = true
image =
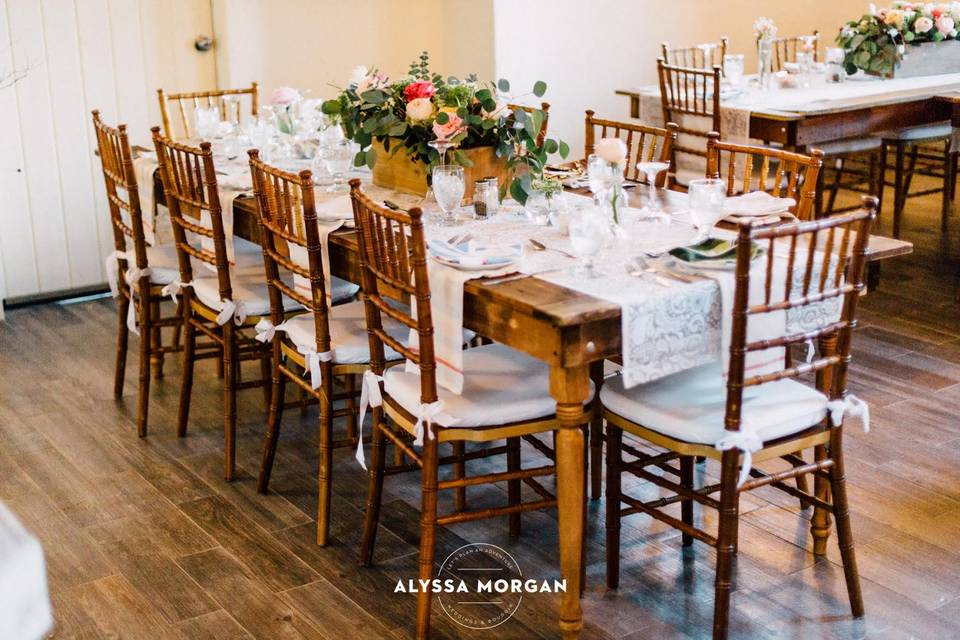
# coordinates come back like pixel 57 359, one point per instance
pixel 584 50
pixel 312 45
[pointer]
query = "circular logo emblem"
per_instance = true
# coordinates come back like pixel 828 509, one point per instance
pixel 484 579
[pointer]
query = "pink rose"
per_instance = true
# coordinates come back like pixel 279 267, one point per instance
pixel 284 95
pixel 945 25
pixel 448 130
pixel 922 24
pixel 419 89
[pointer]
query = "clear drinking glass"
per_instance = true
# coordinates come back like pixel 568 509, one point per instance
pixel 448 188
pixel 835 69
pixel 706 204
pixel 654 208
pixel 589 232
pixel 733 68
pixel 207 120
pixel 600 174
pixel 337 159
pixel 260 132
pixel 537 208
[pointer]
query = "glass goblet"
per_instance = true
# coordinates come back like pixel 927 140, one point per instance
pixel 654 209
pixel 706 196
pixel 448 189
pixel 337 159
pixel 589 232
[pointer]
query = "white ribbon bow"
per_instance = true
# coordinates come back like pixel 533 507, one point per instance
pixel 266 330
pixel 112 264
pixel 369 395
pixel 174 288
pixel 852 405
pixel 747 441
pixel 811 350
pixel 236 310
pixel 312 360
pixel 427 414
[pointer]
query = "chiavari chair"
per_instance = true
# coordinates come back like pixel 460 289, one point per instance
pixel 761 414
pixel 136 273
pixel 545 107
pixel 644 143
pixel 785 49
pixel 226 100
pixel 329 341
pixel 505 394
pixel 781 173
pixel 221 308
pixel 700 56
pixel 690 97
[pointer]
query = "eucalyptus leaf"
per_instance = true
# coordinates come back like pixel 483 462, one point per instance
pixel 330 107
pixel 539 88
pixel 564 149
pixel 360 159
pixel 503 84
pixel 443 117
pixel 371 157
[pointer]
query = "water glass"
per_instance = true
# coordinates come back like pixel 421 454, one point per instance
pixel 207 121
pixel 337 159
pixel 706 204
pixel 654 209
pixel 733 68
pixel 589 232
pixel 260 132
pixel 448 189
pixel 537 208
pixel 600 174
pixel 835 68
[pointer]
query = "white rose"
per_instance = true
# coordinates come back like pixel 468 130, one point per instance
pixel 419 109
pixel 613 150
pixel 358 74
pixel 922 24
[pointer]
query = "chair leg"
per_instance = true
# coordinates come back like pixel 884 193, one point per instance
pixel 803 486
pixel 949 177
pixel 459 472
pixel 123 336
pixel 156 342
pixel 378 462
pixel 274 420
pixel 726 543
pixel 612 505
pixel 820 522
pixel 230 366
pixel 686 504
pixel 186 381
pixel 835 188
pixel 513 486
pixel 881 181
pixel 898 195
pixel 351 389
pixel 596 433
pixel 326 460
pixel 428 530
pixel 265 374
pixel 838 485
pixel 177 328
pixel 143 394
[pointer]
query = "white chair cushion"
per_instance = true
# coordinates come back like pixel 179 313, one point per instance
pixel 501 385
pixel 246 287
pixel 163 264
pixel 348 333
pixel 342 290
pixel 690 405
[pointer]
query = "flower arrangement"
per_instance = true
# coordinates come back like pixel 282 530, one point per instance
pixel 613 153
pixel 876 42
pixel 423 107
pixel 764 29
pixel 283 100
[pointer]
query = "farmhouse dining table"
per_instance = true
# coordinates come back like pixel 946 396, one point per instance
pixel 571 331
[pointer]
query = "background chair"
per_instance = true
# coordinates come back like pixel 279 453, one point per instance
pixel 139 271
pixel 228 101
pixel 644 143
pixel 545 107
pixel 785 49
pixel 699 56
pixel 689 97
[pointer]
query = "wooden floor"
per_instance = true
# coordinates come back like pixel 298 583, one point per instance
pixel 144 540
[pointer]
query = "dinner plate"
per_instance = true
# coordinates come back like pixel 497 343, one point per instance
pixel 480 267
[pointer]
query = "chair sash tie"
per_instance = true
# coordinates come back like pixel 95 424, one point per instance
pixel 369 395
pixel 427 414
pixel 747 441
pixel 266 330
pixel 811 351
pixel 112 265
pixel 852 406
pixel 312 359
pixel 232 309
pixel 174 288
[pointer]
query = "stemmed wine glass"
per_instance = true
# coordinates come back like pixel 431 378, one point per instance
pixel 448 189
pixel 336 158
pixel 654 209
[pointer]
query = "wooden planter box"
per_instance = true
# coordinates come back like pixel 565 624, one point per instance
pixel 930 59
pixel 397 171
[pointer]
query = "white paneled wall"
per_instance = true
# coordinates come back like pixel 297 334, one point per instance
pixel 79 55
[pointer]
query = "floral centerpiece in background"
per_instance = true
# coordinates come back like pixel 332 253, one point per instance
pixel 766 32
pixel 876 42
pixel 282 102
pixel 407 115
pixel 611 156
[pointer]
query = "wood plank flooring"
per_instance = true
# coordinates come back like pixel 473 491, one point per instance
pixel 143 539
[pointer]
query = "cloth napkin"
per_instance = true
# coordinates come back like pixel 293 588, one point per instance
pixel 757 203
pixel 446 309
pixel 301 256
pixel 472 255
pixel 339 208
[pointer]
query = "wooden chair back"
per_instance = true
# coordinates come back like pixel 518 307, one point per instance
pixel 783 174
pixel 230 110
pixel 288 216
pixel 699 56
pixel 644 143
pixel 393 257
pixel 123 198
pixel 687 93
pixel 190 187
pixel 785 49
pixel 841 257
pixel 545 107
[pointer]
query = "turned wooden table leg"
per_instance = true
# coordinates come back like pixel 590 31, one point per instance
pixel 569 387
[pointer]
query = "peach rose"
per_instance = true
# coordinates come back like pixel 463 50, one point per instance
pixel 613 150
pixel 419 109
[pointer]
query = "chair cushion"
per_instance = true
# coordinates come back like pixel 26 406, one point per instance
pixel 849 145
pixel 917 134
pixel 690 405
pixel 163 264
pixel 348 333
pixel 246 287
pixel 501 385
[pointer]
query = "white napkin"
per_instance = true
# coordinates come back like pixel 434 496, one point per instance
pixel 300 256
pixel 756 203
pixel 474 254
pixel 339 208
